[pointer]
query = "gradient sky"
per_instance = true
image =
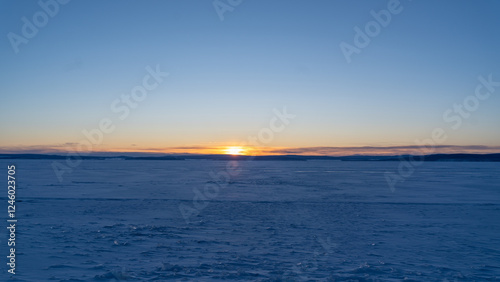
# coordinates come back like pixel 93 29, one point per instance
pixel 226 77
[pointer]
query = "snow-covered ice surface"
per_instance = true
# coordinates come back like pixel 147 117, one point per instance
pixel 274 221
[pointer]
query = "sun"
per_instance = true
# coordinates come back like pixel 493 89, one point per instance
pixel 235 151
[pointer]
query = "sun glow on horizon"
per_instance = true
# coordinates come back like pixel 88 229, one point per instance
pixel 235 151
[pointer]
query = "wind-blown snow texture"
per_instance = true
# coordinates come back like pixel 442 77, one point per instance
pixel 275 221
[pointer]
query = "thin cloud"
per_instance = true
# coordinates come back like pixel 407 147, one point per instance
pixel 387 150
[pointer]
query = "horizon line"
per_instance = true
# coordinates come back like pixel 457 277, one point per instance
pixel 267 151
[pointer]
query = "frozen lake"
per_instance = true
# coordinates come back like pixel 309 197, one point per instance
pixel 267 221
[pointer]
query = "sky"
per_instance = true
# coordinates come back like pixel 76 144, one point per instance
pixel 275 77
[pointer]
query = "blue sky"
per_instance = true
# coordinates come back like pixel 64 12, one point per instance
pixel 226 77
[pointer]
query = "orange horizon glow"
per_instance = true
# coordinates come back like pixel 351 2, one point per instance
pixel 241 150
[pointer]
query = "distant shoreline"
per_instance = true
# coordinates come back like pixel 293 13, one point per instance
pixel 429 158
